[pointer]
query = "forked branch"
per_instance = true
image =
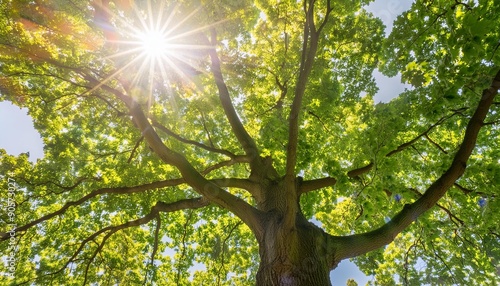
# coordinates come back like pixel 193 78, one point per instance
pixel 192 177
pixel 309 49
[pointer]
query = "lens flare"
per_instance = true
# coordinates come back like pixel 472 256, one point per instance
pixel 154 44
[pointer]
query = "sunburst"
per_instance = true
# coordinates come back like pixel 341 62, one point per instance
pixel 153 46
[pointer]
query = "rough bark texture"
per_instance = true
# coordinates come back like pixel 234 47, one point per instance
pixel 293 251
pixel 293 256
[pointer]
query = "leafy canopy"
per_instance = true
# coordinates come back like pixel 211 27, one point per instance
pixel 104 206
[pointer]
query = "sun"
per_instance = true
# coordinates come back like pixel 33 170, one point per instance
pixel 154 44
pixel 155 48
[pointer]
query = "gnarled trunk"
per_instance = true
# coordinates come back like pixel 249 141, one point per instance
pixel 293 251
pixel 293 256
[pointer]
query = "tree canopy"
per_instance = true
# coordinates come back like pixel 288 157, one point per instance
pixel 238 142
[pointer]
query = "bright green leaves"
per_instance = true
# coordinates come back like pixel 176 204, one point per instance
pixel 48 31
pixel 455 41
pixel 227 248
pixel 417 74
pixel 344 211
pixel 351 46
pixel 54 59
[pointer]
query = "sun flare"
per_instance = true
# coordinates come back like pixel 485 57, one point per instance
pixel 154 44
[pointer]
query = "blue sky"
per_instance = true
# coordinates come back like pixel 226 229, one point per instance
pixel 17 134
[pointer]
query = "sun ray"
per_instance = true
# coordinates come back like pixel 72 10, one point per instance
pixel 155 47
pixel 110 77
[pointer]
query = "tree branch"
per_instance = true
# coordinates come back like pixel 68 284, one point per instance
pixel 204 123
pixel 194 203
pixel 132 153
pixel 354 245
pixel 425 133
pixel 463 189
pixel 452 217
pixel 239 130
pixel 245 184
pixel 248 214
pixel 163 128
pixel 236 159
pixel 359 171
pixel 435 144
pixel 309 48
pixel 95 193
pixel 312 185
pixel 155 246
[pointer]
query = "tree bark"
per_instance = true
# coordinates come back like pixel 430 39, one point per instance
pixel 293 251
pixel 293 257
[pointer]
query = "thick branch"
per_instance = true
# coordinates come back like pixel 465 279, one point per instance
pixel 309 48
pixel 312 185
pixel 469 191
pixel 185 204
pixel 226 182
pixel 192 177
pixel 354 245
pixel 308 186
pixel 359 171
pixel 239 130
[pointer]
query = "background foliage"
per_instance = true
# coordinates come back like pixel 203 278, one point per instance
pixel 94 155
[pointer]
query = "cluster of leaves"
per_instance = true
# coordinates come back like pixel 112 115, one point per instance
pixel 102 181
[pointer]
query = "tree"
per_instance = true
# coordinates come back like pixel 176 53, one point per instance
pixel 351 282
pixel 237 142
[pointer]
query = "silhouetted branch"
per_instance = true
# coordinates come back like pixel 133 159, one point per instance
pixel 411 142
pixel 191 142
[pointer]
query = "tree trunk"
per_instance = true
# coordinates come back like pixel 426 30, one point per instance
pixel 294 256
